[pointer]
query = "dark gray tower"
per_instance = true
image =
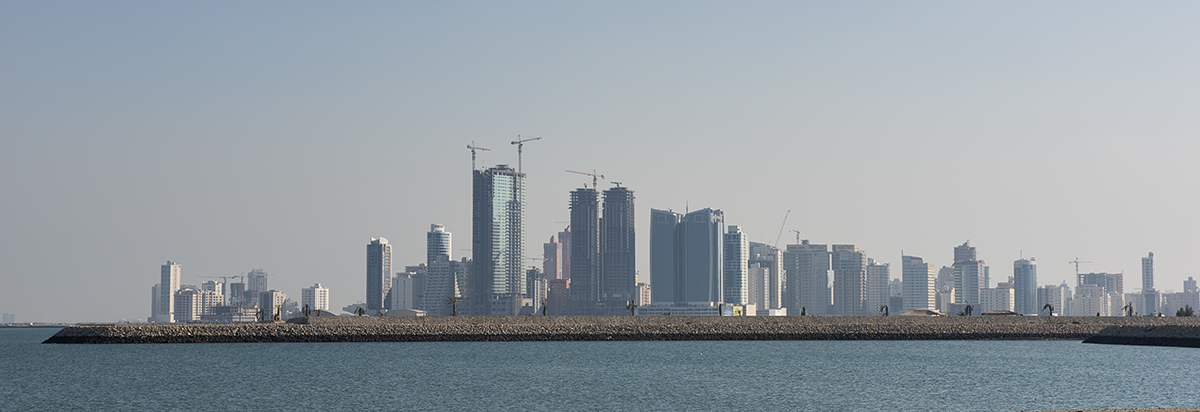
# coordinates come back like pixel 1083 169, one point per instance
pixel 617 245
pixel 586 280
pixel 379 275
pixel 662 255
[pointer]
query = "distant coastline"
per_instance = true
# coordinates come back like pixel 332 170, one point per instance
pixel 604 328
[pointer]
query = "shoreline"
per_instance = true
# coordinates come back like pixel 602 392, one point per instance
pixel 616 328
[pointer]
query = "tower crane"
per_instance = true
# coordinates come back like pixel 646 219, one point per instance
pixel 1077 262
pixel 592 174
pixel 781 225
pixel 797 236
pixel 473 149
pixel 521 144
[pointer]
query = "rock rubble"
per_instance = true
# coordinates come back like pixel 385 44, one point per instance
pixel 603 328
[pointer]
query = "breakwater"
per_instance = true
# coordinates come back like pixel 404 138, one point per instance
pixel 617 328
pixel 1149 335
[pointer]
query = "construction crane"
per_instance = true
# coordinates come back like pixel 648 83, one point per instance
pixel 797 236
pixel 785 216
pixel 592 174
pixel 521 144
pixel 616 183
pixel 1077 262
pixel 473 149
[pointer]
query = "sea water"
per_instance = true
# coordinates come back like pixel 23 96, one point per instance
pixel 552 376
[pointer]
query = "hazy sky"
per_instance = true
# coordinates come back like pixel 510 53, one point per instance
pixel 228 136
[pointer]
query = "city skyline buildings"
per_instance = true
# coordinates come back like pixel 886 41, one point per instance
pixel 303 189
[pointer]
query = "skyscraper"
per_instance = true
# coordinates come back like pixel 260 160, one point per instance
pixel 618 250
pixel 1148 272
pixel 315 298
pixel 918 282
pixel 1025 286
pixel 166 289
pixel 701 278
pixel 807 285
pixel 662 255
pixel 969 275
pixel 737 276
pixel 552 257
pixel 564 238
pixel 586 279
pixel 497 241
pixel 877 291
pixel 379 275
pixel 849 281
pixel 765 269
pixel 686 257
pixel 437 243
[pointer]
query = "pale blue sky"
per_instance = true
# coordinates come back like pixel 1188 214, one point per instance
pixel 228 136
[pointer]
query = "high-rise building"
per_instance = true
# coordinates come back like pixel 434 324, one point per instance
pixel 643 295
pixel 437 244
pixel 564 238
pixel 536 289
pixel 9 318
pixel 877 291
pixel 663 257
pixel 552 258
pixel 1109 282
pixel 256 281
pixel 686 257
pixel 1189 285
pixel 193 305
pixel 271 303
pixel 558 297
pixel 849 280
pixel 497 241
pixel 404 290
pixel 970 274
pixel 586 279
pixel 996 299
pixel 166 289
pixel 379 275
pixel 1050 295
pixel 154 308
pixel 737 276
pixel 766 276
pixel 806 291
pixel 315 297
pixel 919 279
pixel 444 281
pixel 1090 300
pixel 1025 287
pixel 1148 272
pixel 618 251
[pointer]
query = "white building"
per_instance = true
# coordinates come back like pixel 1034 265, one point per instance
pixel 1090 300
pixel 877 288
pixel 166 292
pixel 315 297
pixel 1053 296
pixel 193 305
pixel 215 287
pixel 996 299
pixel 737 272
pixel 918 283
pixel 402 294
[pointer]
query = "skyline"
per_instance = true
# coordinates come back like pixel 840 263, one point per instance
pixel 226 137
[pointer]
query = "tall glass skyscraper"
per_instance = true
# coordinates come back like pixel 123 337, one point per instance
pixel 1025 287
pixel 166 298
pixel 379 274
pixel 497 241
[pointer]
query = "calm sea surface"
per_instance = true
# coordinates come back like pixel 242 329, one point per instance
pixel 777 375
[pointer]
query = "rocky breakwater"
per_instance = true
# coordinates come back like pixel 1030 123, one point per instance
pixel 617 328
pixel 1184 335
